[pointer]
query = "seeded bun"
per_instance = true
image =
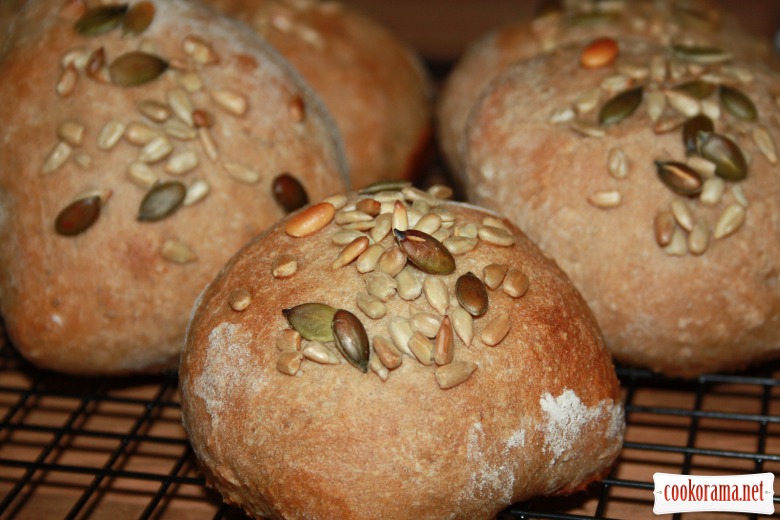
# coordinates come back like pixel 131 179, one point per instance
pixel 287 427
pixel 112 295
pixel 689 22
pixel 677 257
pixel 374 85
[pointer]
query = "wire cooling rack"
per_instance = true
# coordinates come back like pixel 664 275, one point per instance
pixel 91 449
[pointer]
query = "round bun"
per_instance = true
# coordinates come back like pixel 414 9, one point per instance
pixel 374 85
pixel 690 22
pixel 459 430
pixel 645 208
pixel 214 118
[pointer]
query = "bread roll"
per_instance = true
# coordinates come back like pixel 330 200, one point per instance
pixel 670 236
pixel 119 202
pixel 374 85
pixel 665 22
pixel 453 427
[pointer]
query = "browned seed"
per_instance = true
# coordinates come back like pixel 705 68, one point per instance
pixel 678 245
pixel 67 82
pixel 101 19
pixel 401 332
pixel 142 175
pixel 712 192
pixel 387 352
pixel 436 293
pixel 181 104
pixel 139 17
pixel 664 226
pixel 454 374
pixel 289 363
pixel 200 50
pixel 71 132
pixel 409 286
pixel 369 206
pixel 289 340
pixel 472 294
pixel 177 252
pixel 196 192
pixel 400 217
pixel 95 64
pixel 136 68
pixel 297 108
pixel 730 220
pixel 765 143
pixel 178 129
pixel 78 216
pixel 440 192
pixel 494 274
pixel 496 236
pixel 605 199
pixel 161 201
pixel 691 129
pixel 422 348
pixel 110 134
pixel 350 252
pixel 378 368
pixel 682 214
pixel 208 144
pixel 139 134
pixel 463 324
pixel 599 53
pixel 371 306
pixel 427 323
pixel 367 260
pixel 444 349
pixel 679 177
pixel 516 283
pixel 351 339
pixel 425 252
pixel 381 285
pixel 239 299
pixel 155 150
pixel 182 162
pixel 284 266
pixel 699 238
pixel 202 118
pixel 231 102
pixel 57 157
pixel 289 192
pixel 495 331
pixel 392 261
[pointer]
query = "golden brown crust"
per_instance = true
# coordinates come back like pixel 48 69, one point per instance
pixel 107 301
pixel 703 311
pixel 540 415
pixel 374 85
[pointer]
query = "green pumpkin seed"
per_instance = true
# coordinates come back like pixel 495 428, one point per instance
pixel 312 320
pixel 351 339
pixel 701 54
pixel 691 129
pixel 472 294
pixel 695 19
pixel 100 20
pixel 162 201
pixel 289 192
pixel 78 216
pixel 136 68
pixel 620 107
pixel 696 88
pixel 679 177
pixel 138 18
pixel 391 185
pixel 730 163
pixel 737 103
pixel 425 252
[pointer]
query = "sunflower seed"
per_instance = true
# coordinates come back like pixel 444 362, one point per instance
pixel 401 332
pixel 182 163
pixel 381 285
pixel 658 69
pixel 616 83
pixel 495 331
pixel 100 20
pixel 429 223
pixel 668 123
pixel 350 252
pixel 196 192
pixel 312 320
pixel 179 253
pixel 765 143
pixel 110 134
pixel 136 68
pixel 702 166
pixel 701 54
pixel 685 104
pixel 587 101
pixel 239 300
pixel 620 106
pixel 587 129
pixel 466 231
pixel 710 109
pixel 494 274
pixel 664 226
pixel 426 323
pixel 712 192
pixel 181 104
pixel 400 216
pixel 71 132
pixel 161 201
pixel 351 339
pixel 409 286
pixel 605 199
pixel 199 50
pixel 289 363
pixel 729 221
pixel 444 348
pixel 139 17
pixel 178 129
pixel 422 348
pixel 679 177
pixel 460 245
pixel 383 224
pixel 371 306
pixel 57 157
pixel 561 115
pixel 617 163
pixel 678 244
pixel 345 236
pixel 436 293
pixel 148 46
pixel 440 192
pixel 78 216
pixel 139 134
pixel 95 67
pixel 387 352
pixel 76 57
pixel 737 103
pixel 378 368
pixel 739 195
pixel 338 201
pixel 284 266
pixel 682 214
pixel 155 150
pixel 82 158
pixel 463 324
pixel 191 81
pixel 319 353
pixel 142 175
pixel 699 238
pixel 730 163
pixel 392 261
pixel 367 260
pixel 231 102
pixel 350 217
pixel 454 374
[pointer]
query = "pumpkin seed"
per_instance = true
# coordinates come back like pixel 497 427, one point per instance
pixel 387 352
pixel 136 68
pixel 679 177
pixel 381 285
pixel 444 348
pixel 289 340
pixel 239 299
pixel 289 363
pixel 691 129
pixel 701 54
pixel 471 294
pixel 371 306
pixel 284 266
pixel 454 374
pixel 289 192
pixel 312 320
pixel 664 226
pixel 139 17
pixel 351 339
pixel 78 216
pixel 730 163
pixel 516 283
pixel 310 220
pixel 463 324
pixel 425 252
pixel 620 106
pixel 436 293
pixel 730 220
pixel 737 103
pixel 495 331
pixel 696 88
pixel 391 185
pixel 162 201
pixel 422 348
pixel 409 286
pixel 100 20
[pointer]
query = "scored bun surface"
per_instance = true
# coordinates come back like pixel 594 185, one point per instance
pixel 680 281
pixel 539 413
pixel 215 117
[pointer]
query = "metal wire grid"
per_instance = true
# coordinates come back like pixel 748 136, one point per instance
pixel 75 449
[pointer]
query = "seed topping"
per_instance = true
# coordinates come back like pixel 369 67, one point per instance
pixel 310 220
pixel 100 20
pixel 289 192
pixel 472 294
pixel 351 339
pixel 425 252
pixel 162 201
pixel 136 68
pixel 620 106
pixel 312 320
pixel 78 216
pixel 679 177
